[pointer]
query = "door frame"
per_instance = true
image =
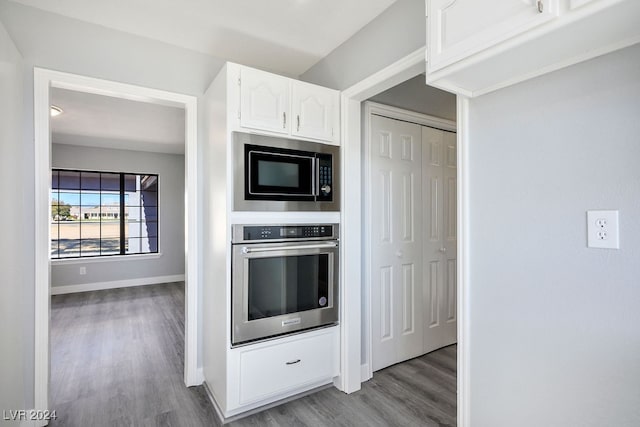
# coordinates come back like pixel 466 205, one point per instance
pixel 390 112
pixel 45 79
pixel 354 226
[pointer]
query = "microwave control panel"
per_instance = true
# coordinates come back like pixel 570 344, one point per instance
pixel 324 178
pixel 286 232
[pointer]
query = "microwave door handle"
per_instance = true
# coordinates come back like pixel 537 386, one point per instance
pixel 316 177
pixel 313 176
pixel 249 250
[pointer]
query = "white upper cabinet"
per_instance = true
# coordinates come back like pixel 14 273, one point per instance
pixel 264 101
pixel 476 47
pixel 461 28
pixel 273 104
pixel 314 110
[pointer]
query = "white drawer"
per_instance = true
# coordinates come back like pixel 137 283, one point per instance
pixel 277 368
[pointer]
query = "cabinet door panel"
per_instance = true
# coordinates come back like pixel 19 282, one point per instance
pixel 460 28
pixel 264 101
pixel 314 111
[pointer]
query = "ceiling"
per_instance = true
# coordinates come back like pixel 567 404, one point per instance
pixel 108 122
pixel 286 36
pixel 289 36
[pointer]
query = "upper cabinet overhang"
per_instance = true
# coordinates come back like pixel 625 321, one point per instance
pixel 476 47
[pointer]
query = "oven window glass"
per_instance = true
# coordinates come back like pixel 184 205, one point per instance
pixel 287 284
pixel 278 174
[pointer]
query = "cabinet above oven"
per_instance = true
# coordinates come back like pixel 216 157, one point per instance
pixel 275 105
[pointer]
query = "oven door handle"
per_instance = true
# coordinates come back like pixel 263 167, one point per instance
pixel 248 250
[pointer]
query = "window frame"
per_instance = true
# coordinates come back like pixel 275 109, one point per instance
pixel 122 217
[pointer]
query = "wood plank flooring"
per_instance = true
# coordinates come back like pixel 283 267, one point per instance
pixel 117 360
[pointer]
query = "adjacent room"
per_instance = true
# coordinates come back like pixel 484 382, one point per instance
pixel 117 254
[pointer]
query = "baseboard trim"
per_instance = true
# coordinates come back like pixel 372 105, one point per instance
pixel 364 372
pixel 200 376
pixel 99 286
pixel 225 420
pixel 212 399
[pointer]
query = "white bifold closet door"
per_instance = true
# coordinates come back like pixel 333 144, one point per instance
pixel 413 251
pixel 439 209
pixel 397 258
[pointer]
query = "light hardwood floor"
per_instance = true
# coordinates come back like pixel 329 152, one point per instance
pixel 117 360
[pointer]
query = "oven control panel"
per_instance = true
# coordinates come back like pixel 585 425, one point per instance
pixel 286 232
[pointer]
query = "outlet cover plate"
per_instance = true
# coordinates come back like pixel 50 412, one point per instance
pixel 602 229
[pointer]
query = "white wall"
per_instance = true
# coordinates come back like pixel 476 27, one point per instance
pixel 51 41
pixel 415 95
pixel 555 326
pixel 555 339
pixel 65 44
pixel 394 34
pixel 12 239
pixel 170 170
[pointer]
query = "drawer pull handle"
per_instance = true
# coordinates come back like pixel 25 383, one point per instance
pixel 293 362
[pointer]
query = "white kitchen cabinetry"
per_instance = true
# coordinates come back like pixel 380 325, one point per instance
pixel 315 111
pixel 477 47
pixel 273 104
pixel 264 102
pixel 461 28
pixel 246 377
pixel 278 367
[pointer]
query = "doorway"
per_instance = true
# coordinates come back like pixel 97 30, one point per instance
pixel 44 81
pixel 356 363
pixel 410 244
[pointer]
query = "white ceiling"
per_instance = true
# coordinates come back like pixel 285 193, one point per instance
pixel 104 121
pixel 288 36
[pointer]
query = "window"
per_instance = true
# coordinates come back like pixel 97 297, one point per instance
pixel 103 214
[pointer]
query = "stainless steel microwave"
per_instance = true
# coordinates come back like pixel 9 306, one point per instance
pixel 279 174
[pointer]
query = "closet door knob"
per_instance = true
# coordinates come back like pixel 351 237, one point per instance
pixel 540 6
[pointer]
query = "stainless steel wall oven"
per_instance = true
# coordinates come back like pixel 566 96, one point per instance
pixel 284 279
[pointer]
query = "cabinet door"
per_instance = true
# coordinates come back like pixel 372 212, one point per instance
pixel 279 368
pixel 314 111
pixel 264 101
pixel 457 29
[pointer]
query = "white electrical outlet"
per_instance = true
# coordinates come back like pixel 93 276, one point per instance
pixel 83 271
pixel 602 229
